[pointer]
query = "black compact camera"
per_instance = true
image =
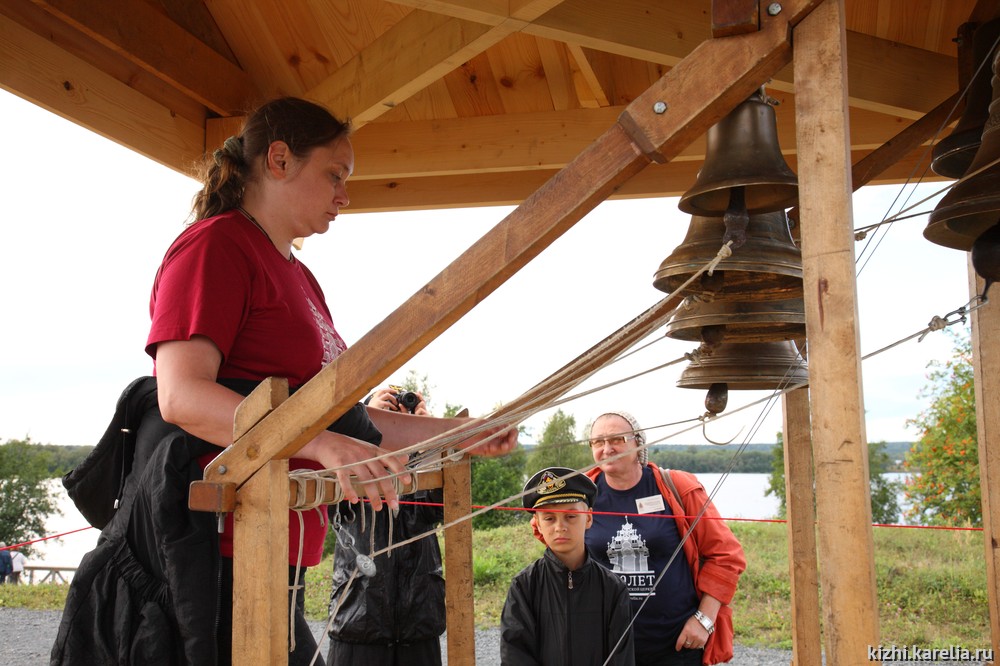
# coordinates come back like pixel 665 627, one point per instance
pixel 407 400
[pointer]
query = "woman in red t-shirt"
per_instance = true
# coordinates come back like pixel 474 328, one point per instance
pixel 231 301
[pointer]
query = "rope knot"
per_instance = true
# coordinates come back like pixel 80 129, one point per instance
pixel 937 323
pixel 724 253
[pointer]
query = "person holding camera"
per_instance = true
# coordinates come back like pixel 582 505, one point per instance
pixel 397 615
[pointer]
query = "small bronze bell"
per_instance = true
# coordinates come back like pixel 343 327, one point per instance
pixel 953 154
pixel 744 171
pixel 767 267
pixel 752 366
pixel 973 205
pixel 739 321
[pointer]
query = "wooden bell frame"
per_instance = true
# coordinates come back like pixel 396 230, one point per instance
pixel 824 424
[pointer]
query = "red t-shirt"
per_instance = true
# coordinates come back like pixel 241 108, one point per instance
pixel 222 278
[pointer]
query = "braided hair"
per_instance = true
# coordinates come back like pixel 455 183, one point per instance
pixel 301 124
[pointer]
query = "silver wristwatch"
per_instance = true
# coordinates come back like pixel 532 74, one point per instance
pixel 704 621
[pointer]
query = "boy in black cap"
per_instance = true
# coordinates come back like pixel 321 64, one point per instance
pixel 565 608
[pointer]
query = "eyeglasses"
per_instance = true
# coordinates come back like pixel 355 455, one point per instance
pixel 613 440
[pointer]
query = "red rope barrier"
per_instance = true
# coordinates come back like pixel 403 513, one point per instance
pixel 46 538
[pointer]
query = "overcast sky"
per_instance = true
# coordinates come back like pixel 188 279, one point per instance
pixel 85 223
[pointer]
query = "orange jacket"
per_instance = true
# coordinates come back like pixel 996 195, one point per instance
pixel 713 553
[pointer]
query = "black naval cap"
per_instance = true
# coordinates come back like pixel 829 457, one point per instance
pixel 547 487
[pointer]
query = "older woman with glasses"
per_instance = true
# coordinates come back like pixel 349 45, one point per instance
pixel 642 516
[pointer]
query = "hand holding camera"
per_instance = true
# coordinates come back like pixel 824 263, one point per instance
pixel 398 399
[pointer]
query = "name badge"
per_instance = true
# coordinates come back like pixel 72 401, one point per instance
pixel 649 504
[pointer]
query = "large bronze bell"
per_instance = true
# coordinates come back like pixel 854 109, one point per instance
pixel 953 154
pixel 739 321
pixel 765 366
pixel 973 205
pixel 742 153
pixel 767 267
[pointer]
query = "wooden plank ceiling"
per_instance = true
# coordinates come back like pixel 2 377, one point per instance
pixel 456 102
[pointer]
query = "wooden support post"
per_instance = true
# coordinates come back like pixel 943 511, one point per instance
pixel 986 367
pixel 840 446
pixel 802 566
pixel 459 601
pixel 260 568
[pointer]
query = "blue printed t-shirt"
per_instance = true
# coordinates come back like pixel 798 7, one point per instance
pixel 637 548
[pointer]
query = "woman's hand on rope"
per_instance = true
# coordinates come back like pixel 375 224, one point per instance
pixel 354 460
pixel 488 440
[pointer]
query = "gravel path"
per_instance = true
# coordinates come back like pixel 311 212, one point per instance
pixel 26 638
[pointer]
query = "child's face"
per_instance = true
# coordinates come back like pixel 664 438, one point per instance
pixel 563 527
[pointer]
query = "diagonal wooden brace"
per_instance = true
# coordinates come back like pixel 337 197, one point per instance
pixel 738 65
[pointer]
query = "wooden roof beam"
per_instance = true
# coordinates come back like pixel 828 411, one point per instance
pixel 38 70
pixel 146 37
pixel 422 48
pixel 533 141
pixel 513 187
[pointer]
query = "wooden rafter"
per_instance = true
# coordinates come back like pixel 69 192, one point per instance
pixel 161 47
pixel 411 55
pixel 57 80
pixel 879 70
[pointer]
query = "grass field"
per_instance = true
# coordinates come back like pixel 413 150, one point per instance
pixel 931 585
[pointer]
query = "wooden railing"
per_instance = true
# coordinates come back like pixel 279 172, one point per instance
pixel 52 574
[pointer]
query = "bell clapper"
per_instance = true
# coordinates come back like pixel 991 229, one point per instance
pixel 717 398
pixel 737 218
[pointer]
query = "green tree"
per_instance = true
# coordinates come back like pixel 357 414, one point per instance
pixel 494 479
pixel 885 493
pixel 944 462
pixel 776 479
pixel 884 503
pixel 26 498
pixel 558 446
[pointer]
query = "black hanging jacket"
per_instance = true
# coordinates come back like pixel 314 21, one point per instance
pixel 404 601
pixel 148 594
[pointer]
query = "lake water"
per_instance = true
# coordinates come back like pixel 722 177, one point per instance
pixel 739 496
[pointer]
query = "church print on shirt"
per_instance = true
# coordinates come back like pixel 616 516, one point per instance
pixel 333 344
pixel 629 558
